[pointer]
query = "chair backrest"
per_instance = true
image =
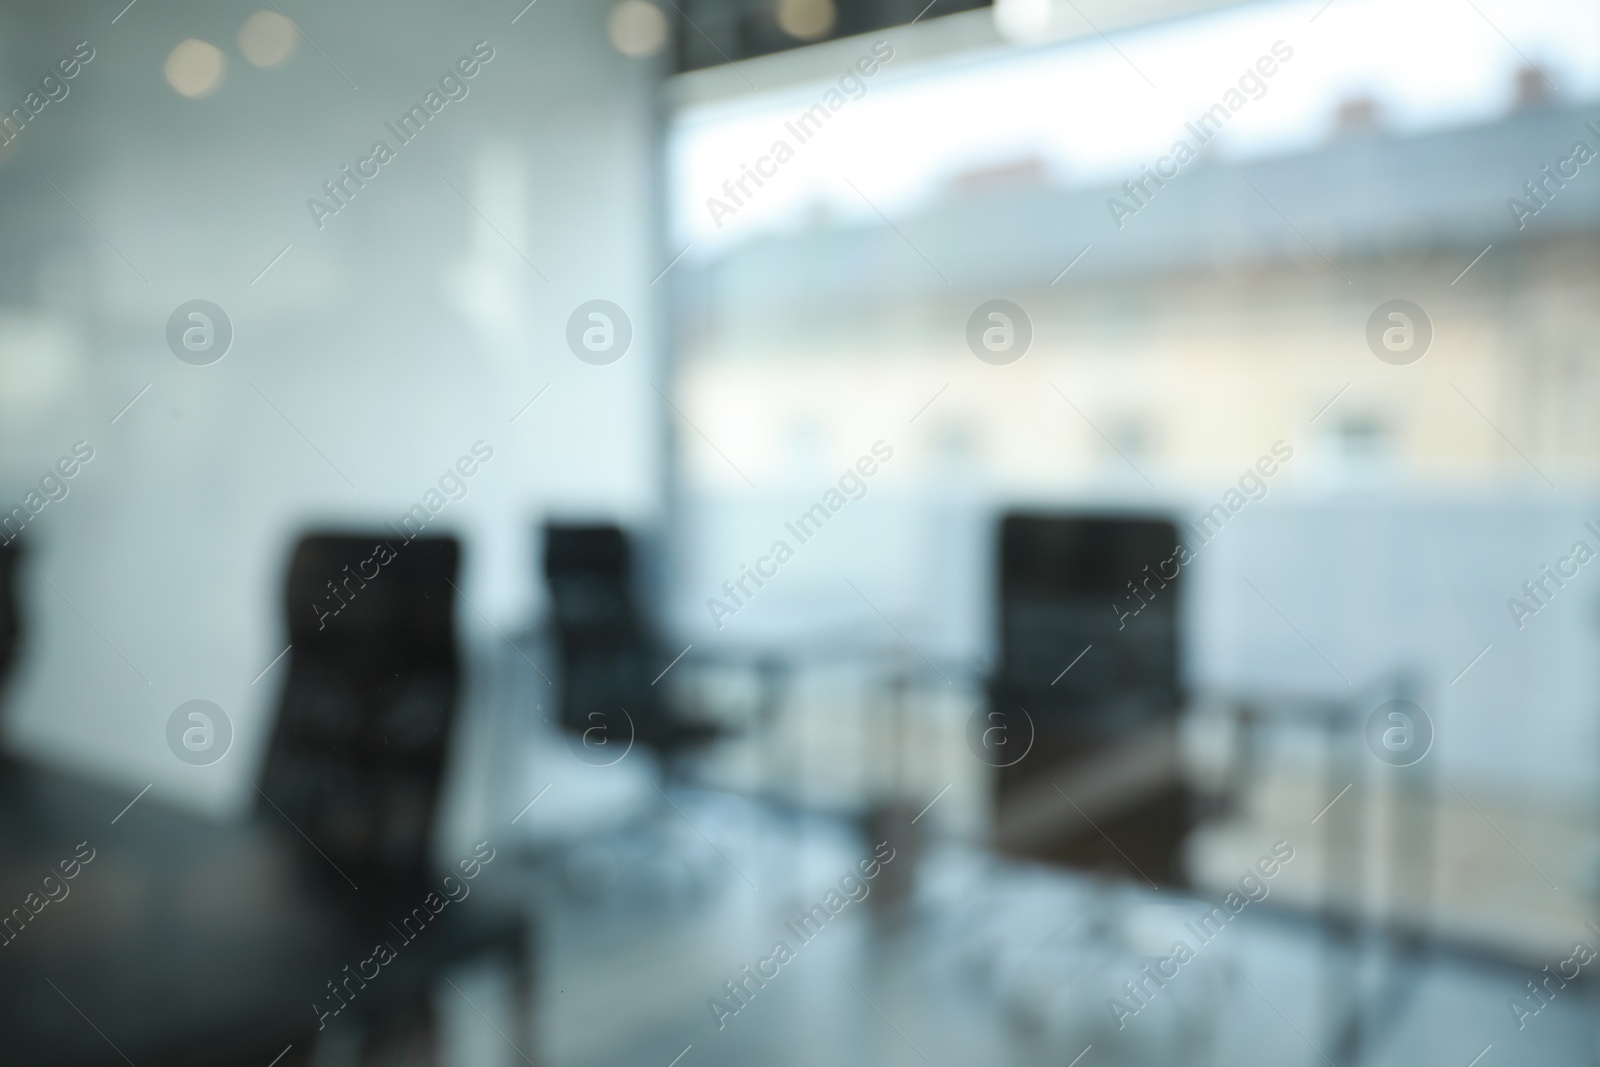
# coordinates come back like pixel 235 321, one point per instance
pixel 1066 582
pixel 606 653
pixel 590 571
pixel 358 750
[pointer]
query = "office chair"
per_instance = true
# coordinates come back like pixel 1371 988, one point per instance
pixel 1085 695
pixel 358 752
pixel 349 798
pixel 609 662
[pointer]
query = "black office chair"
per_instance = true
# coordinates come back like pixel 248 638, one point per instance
pixel 231 974
pixel 358 752
pixel 609 661
pixel 1098 595
pixel 358 748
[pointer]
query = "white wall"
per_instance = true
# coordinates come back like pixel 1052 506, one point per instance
pixel 391 339
pixel 1381 582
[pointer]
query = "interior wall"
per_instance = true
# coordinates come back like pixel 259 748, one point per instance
pixel 385 342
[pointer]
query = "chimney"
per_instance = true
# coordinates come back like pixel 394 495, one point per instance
pixel 1533 90
pixel 1356 114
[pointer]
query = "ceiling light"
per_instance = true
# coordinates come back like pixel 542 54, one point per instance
pixel 807 19
pixel 267 39
pixel 637 29
pixel 194 68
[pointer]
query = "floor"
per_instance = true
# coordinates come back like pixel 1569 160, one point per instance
pixel 983 962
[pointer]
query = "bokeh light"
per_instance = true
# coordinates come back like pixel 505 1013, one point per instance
pixel 807 19
pixel 267 39
pixel 637 28
pixel 194 68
